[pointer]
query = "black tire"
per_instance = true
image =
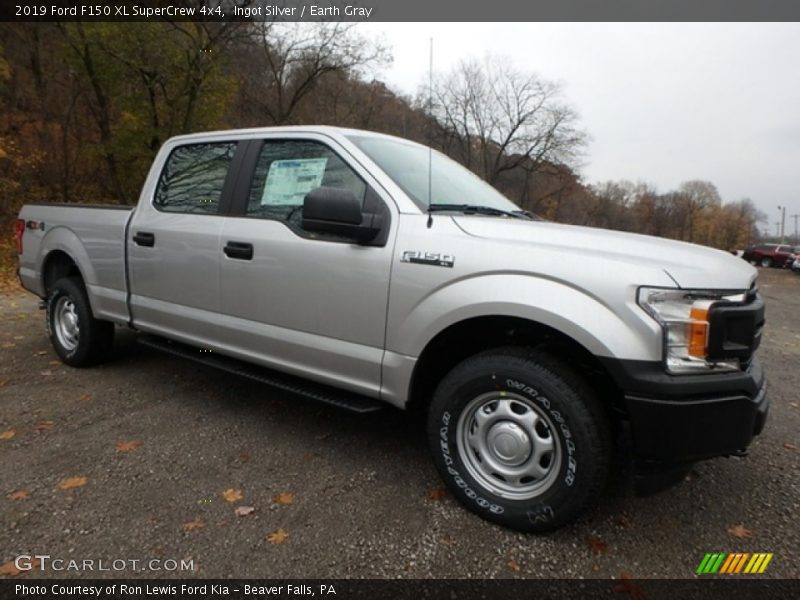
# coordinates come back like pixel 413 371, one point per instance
pixel 766 262
pixel 94 338
pixel 521 380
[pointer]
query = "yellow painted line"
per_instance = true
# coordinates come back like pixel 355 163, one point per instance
pixel 752 562
pixel 765 563
pixel 757 566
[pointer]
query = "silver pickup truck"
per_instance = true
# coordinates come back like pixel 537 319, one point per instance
pixel 361 269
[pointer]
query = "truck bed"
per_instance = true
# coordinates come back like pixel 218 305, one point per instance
pixel 95 233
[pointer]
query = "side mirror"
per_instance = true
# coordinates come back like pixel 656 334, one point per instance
pixel 338 211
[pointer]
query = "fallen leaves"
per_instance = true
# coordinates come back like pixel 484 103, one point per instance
pixel 9 569
pixel 128 446
pixel 69 483
pixel 244 457
pixel 283 498
pixel 43 426
pixel 626 585
pixel 85 397
pixel 20 495
pixel 597 545
pixel 277 537
pixel 4 382
pixel 243 511
pixel 437 494
pixel 192 525
pixel 7 435
pixel 740 531
pixel 232 495
pixel 513 565
pixel 790 446
pixel 624 522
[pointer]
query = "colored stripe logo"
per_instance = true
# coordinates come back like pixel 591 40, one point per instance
pixel 734 563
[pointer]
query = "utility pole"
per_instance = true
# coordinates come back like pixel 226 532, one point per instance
pixel 783 222
pixel 777 229
pixel 796 239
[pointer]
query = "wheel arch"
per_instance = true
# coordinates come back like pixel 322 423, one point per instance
pixel 63 255
pixel 56 265
pixel 471 336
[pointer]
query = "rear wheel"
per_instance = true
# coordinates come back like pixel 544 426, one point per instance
pixel 78 338
pixel 766 262
pixel 520 439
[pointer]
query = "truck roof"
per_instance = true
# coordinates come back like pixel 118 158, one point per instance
pixel 256 131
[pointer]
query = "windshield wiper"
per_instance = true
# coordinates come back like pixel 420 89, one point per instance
pixel 468 209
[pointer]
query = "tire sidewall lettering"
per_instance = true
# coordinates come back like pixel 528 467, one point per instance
pixel 566 434
pixel 444 433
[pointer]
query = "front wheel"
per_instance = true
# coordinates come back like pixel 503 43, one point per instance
pixel 766 262
pixel 520 439
pixel 77 337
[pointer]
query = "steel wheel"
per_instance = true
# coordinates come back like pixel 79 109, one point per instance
pixel 65 320
pixel 509 445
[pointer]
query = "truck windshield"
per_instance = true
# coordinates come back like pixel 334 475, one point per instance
pixel 407 165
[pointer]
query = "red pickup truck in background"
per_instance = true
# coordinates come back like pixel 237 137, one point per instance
pixel 771 255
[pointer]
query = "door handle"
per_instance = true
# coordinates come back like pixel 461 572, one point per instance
pixel 240 250
pixel 144 239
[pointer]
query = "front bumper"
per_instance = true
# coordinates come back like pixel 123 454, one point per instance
pixel 682 419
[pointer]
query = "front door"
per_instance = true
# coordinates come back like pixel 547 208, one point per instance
pixel 309 303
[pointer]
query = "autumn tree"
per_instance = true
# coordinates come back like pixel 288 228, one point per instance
pixel 494 118
pixel 286 62
pixel 143 82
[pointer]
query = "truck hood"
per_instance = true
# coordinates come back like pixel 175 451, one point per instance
pixel 690 265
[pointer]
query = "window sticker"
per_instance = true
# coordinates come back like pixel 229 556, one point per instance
pixel 288 181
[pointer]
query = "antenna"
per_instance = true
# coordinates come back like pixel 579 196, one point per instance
pixel 430 135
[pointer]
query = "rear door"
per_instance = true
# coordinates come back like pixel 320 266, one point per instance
pixel 308 303
pixel 173 243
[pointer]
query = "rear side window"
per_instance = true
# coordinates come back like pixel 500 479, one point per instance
pixel 193 178
pixel 287 170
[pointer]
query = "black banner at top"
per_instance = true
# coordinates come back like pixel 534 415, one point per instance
pixel 400 10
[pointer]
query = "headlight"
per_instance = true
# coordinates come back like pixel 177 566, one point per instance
pixel 683 315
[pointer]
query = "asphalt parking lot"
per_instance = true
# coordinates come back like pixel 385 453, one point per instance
pixel 150 456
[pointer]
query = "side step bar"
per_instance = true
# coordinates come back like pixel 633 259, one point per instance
pixel 296 385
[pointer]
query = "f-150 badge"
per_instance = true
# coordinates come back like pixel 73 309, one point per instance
pixel 434 259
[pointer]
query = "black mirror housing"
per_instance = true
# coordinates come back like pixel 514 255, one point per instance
pixel 338 211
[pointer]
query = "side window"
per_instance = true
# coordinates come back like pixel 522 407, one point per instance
pixel 193 178
pixel 287 170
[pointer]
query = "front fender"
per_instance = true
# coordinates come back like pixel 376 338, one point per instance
pixel 618 329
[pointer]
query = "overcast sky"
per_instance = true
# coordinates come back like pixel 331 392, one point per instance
pixel 663 102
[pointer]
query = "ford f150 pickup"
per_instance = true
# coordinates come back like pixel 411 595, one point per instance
pixel 362 269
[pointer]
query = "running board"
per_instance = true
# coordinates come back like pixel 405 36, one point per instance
pixel 289 383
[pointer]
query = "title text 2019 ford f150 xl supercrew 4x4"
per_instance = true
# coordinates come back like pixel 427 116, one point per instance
pixel 363 269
